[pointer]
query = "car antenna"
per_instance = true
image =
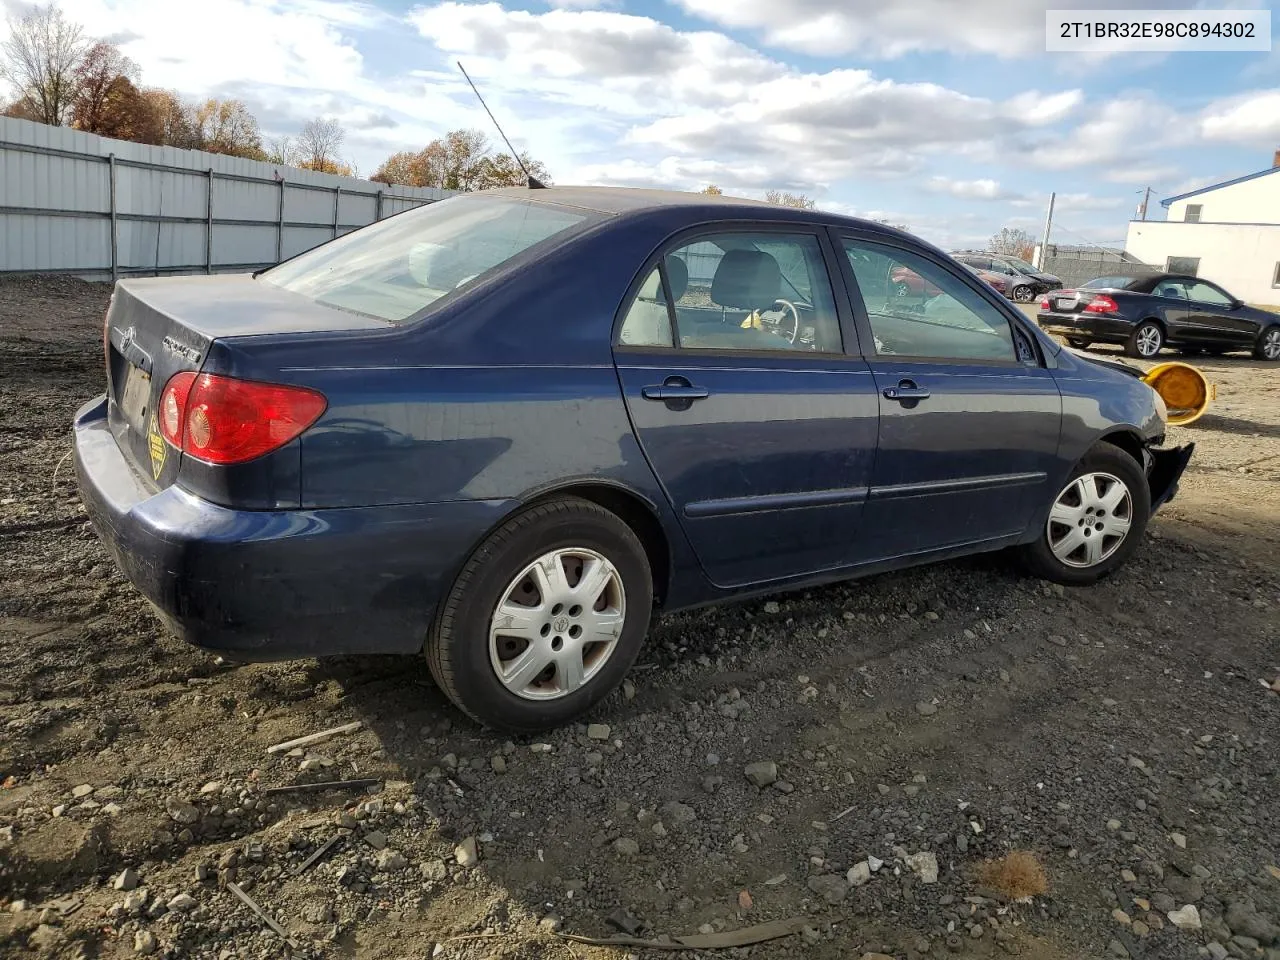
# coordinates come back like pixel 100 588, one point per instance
pixel 532 182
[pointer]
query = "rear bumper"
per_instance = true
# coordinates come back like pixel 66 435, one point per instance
pixel 1090 326
pixel 273 584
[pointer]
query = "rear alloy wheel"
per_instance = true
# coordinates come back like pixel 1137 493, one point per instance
pixel 545 619
pixel 1268 347
pixel 1096 520
pixel 1146 341
pixel 1080 343
pixel 1023 294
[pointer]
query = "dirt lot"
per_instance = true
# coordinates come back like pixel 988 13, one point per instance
pixel 1122 735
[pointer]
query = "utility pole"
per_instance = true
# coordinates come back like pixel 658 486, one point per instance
pixel 1048 222
pixel 1146 198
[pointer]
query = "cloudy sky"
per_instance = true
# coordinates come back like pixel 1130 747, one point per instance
pixel 946 116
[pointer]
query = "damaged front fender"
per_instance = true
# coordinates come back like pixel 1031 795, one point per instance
pixel 1164 470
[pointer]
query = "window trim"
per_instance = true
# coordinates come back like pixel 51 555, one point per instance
pixel 850 334
pixel 1018 324
pixel 1186 213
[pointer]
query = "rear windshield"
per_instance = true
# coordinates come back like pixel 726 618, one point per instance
pixel 1108 283
pixel 395 268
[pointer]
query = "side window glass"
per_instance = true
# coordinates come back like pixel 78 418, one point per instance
pixel 1171 289
pixel 746 291
pixel 1207 294
pixel 648 324
pixel 918 309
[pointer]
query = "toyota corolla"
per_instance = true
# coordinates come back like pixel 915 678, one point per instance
pixel 503 430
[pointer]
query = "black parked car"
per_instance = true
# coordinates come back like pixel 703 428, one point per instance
pixel 1147 314
pixel 1023 282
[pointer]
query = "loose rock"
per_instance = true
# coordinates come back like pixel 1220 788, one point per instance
pixel 762 773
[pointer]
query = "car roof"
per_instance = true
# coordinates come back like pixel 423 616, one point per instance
pixel 623 201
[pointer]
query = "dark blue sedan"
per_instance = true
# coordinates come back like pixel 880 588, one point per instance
pixel 503 429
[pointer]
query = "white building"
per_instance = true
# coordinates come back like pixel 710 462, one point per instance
pixel 1228 233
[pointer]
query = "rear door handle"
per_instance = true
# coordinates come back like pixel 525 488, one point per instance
pixel 905 392
pixel 675 388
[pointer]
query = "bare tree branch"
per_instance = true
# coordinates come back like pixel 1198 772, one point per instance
pixel 39 61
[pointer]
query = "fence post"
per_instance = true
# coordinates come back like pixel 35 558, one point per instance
pixel 377 207
pixel 115 269
pixel 280 223
pixel 208 227
pixel 337 195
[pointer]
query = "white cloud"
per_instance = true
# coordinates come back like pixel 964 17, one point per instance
pixel 1252 118
pixel 984 189
pixel 1000 28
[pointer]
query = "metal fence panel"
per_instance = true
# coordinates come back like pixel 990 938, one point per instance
pixel 72 202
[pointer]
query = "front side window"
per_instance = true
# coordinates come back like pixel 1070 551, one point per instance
pixel 753 291
pixel 938 316
pixel 1206 293
pixel 397 267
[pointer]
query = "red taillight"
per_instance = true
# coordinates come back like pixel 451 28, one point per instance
pixel 1044 303
pixel 223 420
pixel 1101 305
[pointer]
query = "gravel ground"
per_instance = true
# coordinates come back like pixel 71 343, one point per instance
pixel 854 757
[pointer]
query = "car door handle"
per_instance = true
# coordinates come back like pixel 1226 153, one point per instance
pixel 674 391
pixel 906 392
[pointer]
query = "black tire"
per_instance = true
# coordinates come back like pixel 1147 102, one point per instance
pixel 1023 294
pixel 1102 458
pixel 1268 346
pixel 1080 343
pixel 457 647
pixel 1191 351
pixel 1148 331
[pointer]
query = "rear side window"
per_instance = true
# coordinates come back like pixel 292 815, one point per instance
pixel 395 268
pixel 753 291
pixel 917 309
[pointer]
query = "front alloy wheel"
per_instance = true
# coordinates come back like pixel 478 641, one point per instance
pixel 1022 294
pixel 1090 520
pixel 1095 521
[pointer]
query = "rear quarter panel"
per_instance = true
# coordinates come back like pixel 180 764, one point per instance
pixel 508 395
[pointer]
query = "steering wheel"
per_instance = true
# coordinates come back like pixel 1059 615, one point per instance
pixel 795 321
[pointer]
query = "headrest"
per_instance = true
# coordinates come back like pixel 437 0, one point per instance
pixel 677 277
pixel 746 279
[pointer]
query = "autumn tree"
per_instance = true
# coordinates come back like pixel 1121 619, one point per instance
pixel 39 60
pixel 227 126
pixel 461 160
pixel 1013 242
pixel 100 91
pixel 169 121
pixel 798 200
pixel 712 190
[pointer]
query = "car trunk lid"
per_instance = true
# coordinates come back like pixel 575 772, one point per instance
pixel 158 327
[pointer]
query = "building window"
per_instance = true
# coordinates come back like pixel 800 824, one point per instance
pixel 1275 278
pixel 1186 266
pixel 1193 212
